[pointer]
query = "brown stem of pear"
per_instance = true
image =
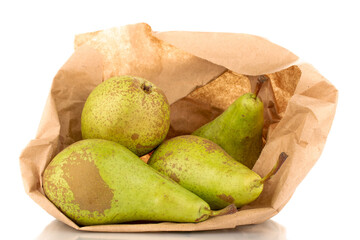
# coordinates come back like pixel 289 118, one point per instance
pixel 146 87
pixel 260 81
pixel 282 157
pixel 227 210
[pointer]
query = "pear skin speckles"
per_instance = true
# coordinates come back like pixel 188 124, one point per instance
pixel 128 110
pixel 204 168
pixel 226 198
pixel 96 181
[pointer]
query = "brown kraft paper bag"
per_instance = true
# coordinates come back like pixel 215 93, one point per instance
pixel 201 73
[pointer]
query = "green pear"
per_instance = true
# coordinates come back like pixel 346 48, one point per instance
pixel 238 130
pixel 129 110
pixel 204 168
pixel 97 181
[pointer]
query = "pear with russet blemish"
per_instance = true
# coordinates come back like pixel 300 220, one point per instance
pixel 96 181
pixel 205 169
pixel 238 130
pixel 128 110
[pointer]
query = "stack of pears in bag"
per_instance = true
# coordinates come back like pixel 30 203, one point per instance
pixel 102 180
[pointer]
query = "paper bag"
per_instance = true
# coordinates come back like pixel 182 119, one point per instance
pixel 201 74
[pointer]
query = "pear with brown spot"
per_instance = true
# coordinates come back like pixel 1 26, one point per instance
pixel 204 168
pixel 128 110
pixel 96 181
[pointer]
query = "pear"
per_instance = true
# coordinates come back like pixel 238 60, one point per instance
pixel 238 130
pixel 204 168
pixel 128 110
pixel 96 181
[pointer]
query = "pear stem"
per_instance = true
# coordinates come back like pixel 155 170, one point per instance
pixel 282 157
pixel 227 210
pixel 260 81
pixel 146 87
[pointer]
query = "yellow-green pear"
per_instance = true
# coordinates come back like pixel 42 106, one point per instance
pixel 96 181
pixel 128 110
pixel 204 168
pixel 238 130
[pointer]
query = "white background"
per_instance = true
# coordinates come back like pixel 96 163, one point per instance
pixel 36 38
